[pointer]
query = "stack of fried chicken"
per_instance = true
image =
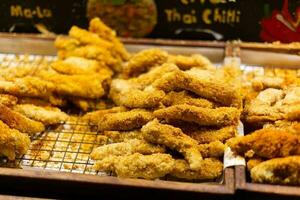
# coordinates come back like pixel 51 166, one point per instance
pixel 273 108
pixel 171 117
pixel 31 95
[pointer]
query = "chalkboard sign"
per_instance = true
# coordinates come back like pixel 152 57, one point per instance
pixel 264 20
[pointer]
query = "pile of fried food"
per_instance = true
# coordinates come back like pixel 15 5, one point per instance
pixel 273 108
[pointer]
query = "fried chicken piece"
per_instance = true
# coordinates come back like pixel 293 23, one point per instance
pixel 222 116
pixel 18 121
pixel 28 87
pixel 253 162
pixel 278 171
pixel 98 27
pixel 204 135
pixel 212 150
pixel 290 126
pixel 93 117
pixel 267 143
pixel 85 37
pixel 210 169
pixel 122 136
pixel 262 107
pixel 145 79
pixel 66 43
pixel 42 102
pixel 89 104
pixel 8 100
pixel 126 148
pixel 264 82
pixel 213 90
pixel 77 65
pixel 10 73
pixel 173 138
pixel 137 165
pixel 12 142
pixel 143 61
pixel 125 94
pixel 188 62
pixel 124 121
pixel 46 115
pixel 184 97
pixel 98 53
pixel 85 86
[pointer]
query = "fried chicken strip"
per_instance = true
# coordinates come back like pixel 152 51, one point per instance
pixel 98 27
pixel 66 43
pixel 122 136
pixel 253 162
pixel 8 100
pixel 204 135
pixel 86 86
pixel 278 171
pixel 143 61
pixel 124 121
pixel 145 79
pixel 216 91
pixel 188 62
pixel 212 150
pixel 18 121
pixel 264 82
pixel 137 165
pixel 28 87
pixel 267 143
pixel 184 97
pixel 126 148
pixel 12 142
pixel 222 116
pixel 77 65
pixel 85 37
pixel 210 169
pixel 125 94
pixel 46 115
pixel 173 138
pixel 94 116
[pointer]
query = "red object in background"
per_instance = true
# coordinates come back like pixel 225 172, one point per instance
pixel 281 26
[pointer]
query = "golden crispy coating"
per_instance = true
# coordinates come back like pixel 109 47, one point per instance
pixel 267 143
pixel 278 171
pixel 8 100
pixel 20 122
pixel 12 142
pixel 290 126
pixel 98 27
pixel 46 115
pixel 273 104
pixel 77 65
pixel 54 100
pixel 10 73
pixel 210 169
pixel 124 121
pixel 213 90
pixel 143 61
pixel 85 37
pixel 126 148
pixel 253 162
pixel 188 62
pixel 184 97
pixel 94 117
pixel 121 136
pixel 222 116
pixel 86 86
pixel 93 52
pixel 125 94
pixel 212 150
pixel 66 43
pixel 204 135
pixel 145 79
pixel 89 104
pixel 264 82
pixel 28 87
pixel 137 165
pixel 173 138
